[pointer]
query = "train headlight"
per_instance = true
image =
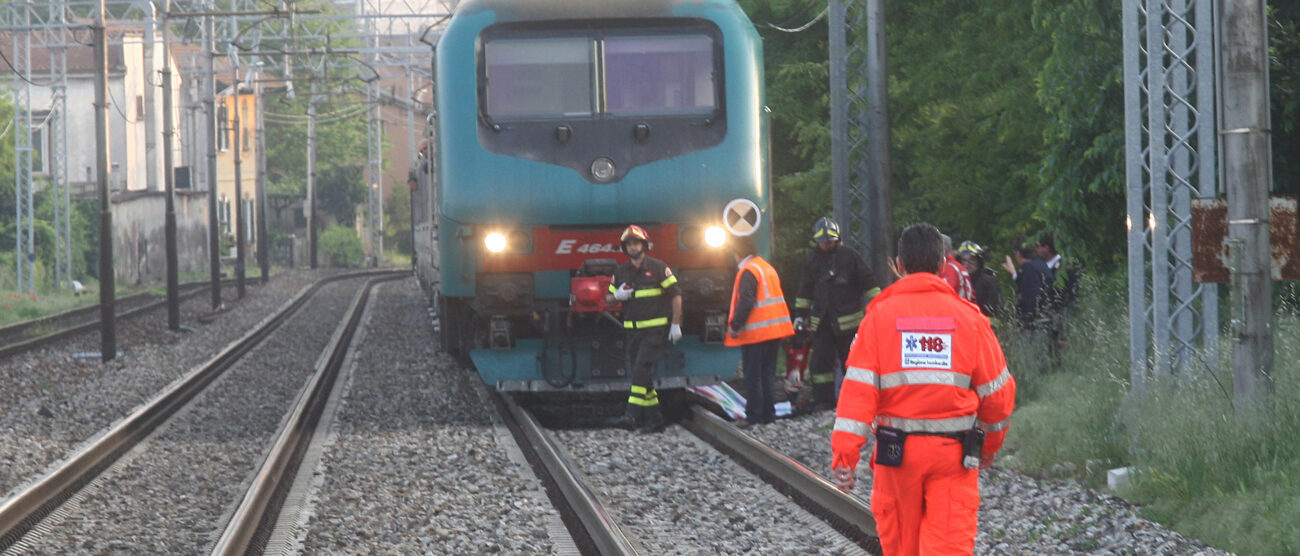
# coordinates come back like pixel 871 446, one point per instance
pixel 603 169
pixel 715 236
pixel 495 242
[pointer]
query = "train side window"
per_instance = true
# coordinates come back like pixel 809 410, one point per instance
pixel 539 77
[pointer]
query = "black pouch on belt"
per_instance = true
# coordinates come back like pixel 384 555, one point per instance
pixel 972 448
pixel 889 446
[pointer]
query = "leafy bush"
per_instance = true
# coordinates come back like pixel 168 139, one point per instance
pixel 341 247
pixel 1200 469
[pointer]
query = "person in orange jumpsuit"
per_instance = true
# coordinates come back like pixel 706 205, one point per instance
pixel 926 378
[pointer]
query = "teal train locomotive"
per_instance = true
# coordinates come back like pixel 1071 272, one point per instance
pixel 557 124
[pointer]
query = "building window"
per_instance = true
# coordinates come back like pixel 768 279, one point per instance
pixel 223 134
pixel 40 145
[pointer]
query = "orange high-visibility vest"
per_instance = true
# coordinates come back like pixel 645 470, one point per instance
pixel 924 361
pixel 770 318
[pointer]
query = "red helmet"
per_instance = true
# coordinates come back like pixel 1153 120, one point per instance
pixel 634 232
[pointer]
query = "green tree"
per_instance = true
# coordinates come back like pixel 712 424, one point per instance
pixel 1284 78
pixel 397 219
pixel 1081 88
pixel 340 189
pixel 967 127
pixel 797 74
pixel 341 135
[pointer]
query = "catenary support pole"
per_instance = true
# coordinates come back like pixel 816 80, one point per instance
pixel 169 222
pixel 311 175
pixel 107 328
pixel 878 144
pixel 1247 171
pixel 210 103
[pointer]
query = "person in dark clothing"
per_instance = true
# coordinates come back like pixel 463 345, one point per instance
pixel 988 294
pixel 648 290
pixel 1030 279
pixel 1059 292
pixel 834 287
pixel 757 322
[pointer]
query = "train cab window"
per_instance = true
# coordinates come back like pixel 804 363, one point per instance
pixel 659 74
pixel 532 77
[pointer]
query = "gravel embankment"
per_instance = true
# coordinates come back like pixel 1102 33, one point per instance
pixel 415 464
pixel 1018 514
pixel 677 495
pixel 54 400
pixel 171 494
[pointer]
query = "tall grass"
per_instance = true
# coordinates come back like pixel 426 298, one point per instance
pixel 1200 469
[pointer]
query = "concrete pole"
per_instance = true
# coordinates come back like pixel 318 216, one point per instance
pixel 107 286
pixel 878 145
pixel 210 103
pixel 1247 169
pixel 169 223
pixel 311 175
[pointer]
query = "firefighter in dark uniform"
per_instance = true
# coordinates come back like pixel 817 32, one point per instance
pixel 650 295
pixel 834 289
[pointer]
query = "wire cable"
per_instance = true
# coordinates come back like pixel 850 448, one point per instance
pixel 805 26
pixel 14 70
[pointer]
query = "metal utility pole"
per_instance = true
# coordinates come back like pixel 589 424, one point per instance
pixel 107 328
pixel 210 103
pixel 169 222
pixel 311 175
pixel 59 147
pixel 860 135
pixel 239 184
pixel 376 142
pixel 1170 161
pixel 25 216
pixel 1247 169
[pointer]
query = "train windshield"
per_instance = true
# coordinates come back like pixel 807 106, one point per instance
pixel 543 77
pixel 619 74
pixel 670 74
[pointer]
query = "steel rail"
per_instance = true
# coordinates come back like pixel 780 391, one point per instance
pixel 250 525
pixel 845 513
pixel 15 348
pixel 597 525
pixel 20 513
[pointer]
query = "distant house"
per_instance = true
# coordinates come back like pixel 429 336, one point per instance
pixel 134 108
pixel 136 147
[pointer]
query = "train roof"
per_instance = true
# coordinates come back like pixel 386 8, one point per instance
pixel 537 10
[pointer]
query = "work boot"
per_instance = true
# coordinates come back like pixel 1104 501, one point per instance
pixel 653 421
pixel 628 421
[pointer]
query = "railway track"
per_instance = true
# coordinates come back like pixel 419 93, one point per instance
pixel 38 510
pixel 33 334
pixel 601 526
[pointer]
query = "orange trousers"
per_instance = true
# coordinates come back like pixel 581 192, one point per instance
pixel 930 504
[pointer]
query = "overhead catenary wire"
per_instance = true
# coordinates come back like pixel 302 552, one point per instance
pixel 805 26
